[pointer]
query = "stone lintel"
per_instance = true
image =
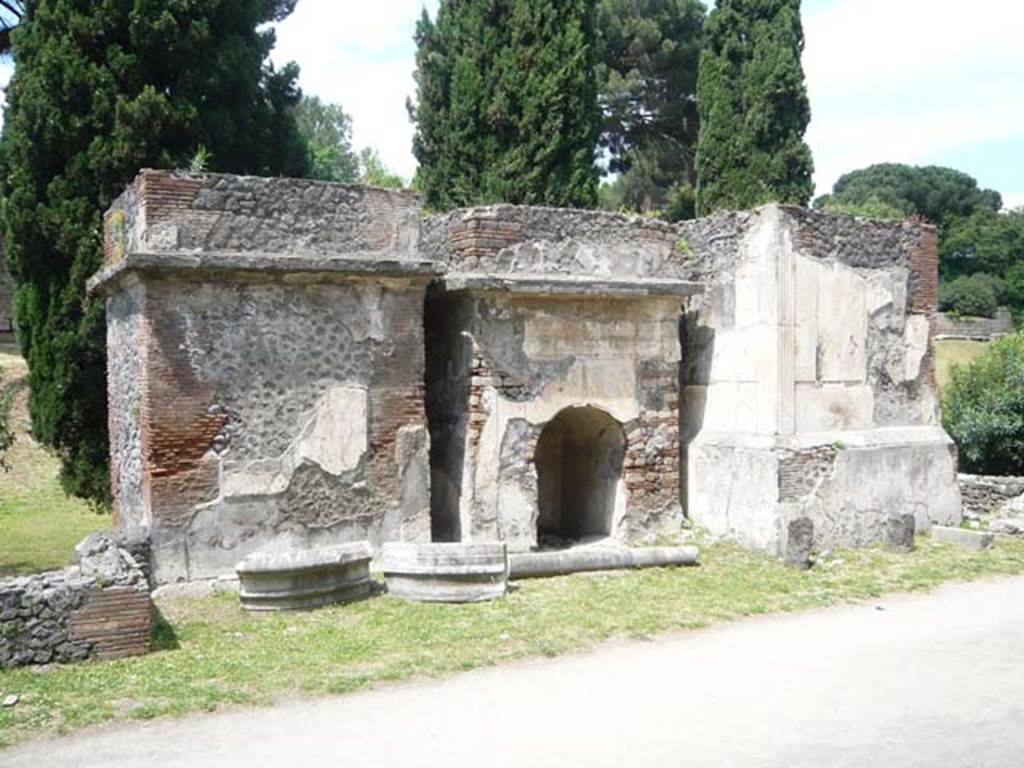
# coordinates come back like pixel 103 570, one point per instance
pixel 248 263
pixel 544 285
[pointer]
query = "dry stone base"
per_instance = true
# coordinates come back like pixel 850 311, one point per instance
pixel 799 542
pixel 446 573
pixel 1007 526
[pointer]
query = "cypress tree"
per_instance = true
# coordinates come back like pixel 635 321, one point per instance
pixel 101 89
pixel 507 103
pixel 753 107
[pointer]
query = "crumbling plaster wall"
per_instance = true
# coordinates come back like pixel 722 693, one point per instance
pixel 531 358
pixel 125 336
pixel 513 361
pixel 174 212
pixel 294 412
pixel 553 242
pixel 809 357
pixel 266 367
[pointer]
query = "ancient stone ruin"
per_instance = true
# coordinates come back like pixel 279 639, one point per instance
pixel 97 608
pixel 297 364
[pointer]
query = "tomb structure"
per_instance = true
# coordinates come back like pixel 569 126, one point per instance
pixel 296 364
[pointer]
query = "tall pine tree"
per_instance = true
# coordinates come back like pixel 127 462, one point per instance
pixel 507 103
pixel 647 76
pixel 753 107
pixel 101 89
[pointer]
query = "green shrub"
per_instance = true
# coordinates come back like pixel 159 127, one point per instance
pixel 983 409
pixel 873 208
pixel 976 295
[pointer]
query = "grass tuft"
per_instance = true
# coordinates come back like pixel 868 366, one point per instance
pixel 211 654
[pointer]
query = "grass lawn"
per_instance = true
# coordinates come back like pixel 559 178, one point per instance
pixel 950 352
pixel 210 653
pixel 39 525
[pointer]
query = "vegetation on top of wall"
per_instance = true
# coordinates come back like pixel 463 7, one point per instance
pixel 872 208
pixel 983 409
pixel 136 85
pixel 753 108
pixel 506 106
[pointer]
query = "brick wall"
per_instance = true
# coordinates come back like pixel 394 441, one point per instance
pixel 481 234
pixel 98 608
pixel 801 472
pixel 114 622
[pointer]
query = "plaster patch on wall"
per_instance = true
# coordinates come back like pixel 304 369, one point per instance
pixel 915 339
pixel 337 437
pixel 842 342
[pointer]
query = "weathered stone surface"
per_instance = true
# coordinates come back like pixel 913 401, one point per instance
pixel 527 565
pixel 275 368
pixel 985 495
pixel 101 556
pixel 899 530
pixel 294 580
pixel 98 608
pixel 799 543
pixel 447 573
pixel 977 328
pixel 962 537
pixel 1007 526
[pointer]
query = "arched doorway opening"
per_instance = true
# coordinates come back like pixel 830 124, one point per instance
pixel 579 460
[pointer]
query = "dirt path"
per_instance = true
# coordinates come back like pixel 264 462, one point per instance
pixel 923 680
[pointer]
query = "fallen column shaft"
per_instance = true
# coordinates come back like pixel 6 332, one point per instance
pixel 533 564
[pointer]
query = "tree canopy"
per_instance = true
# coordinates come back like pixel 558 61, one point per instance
pixel 137 84
pixel 753 107
pixel 327 131
pixel 932 191
pixel 984 241
pixel 647 90
pixel 506 105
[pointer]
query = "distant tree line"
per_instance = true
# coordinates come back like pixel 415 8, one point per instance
pixel 981 248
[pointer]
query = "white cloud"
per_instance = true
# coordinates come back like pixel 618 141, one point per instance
pixel 1013 200
pixel 907 81
pixel 363 59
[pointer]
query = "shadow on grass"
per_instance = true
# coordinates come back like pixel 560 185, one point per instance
pixel 163 637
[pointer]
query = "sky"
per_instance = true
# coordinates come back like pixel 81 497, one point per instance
pixel 909 81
